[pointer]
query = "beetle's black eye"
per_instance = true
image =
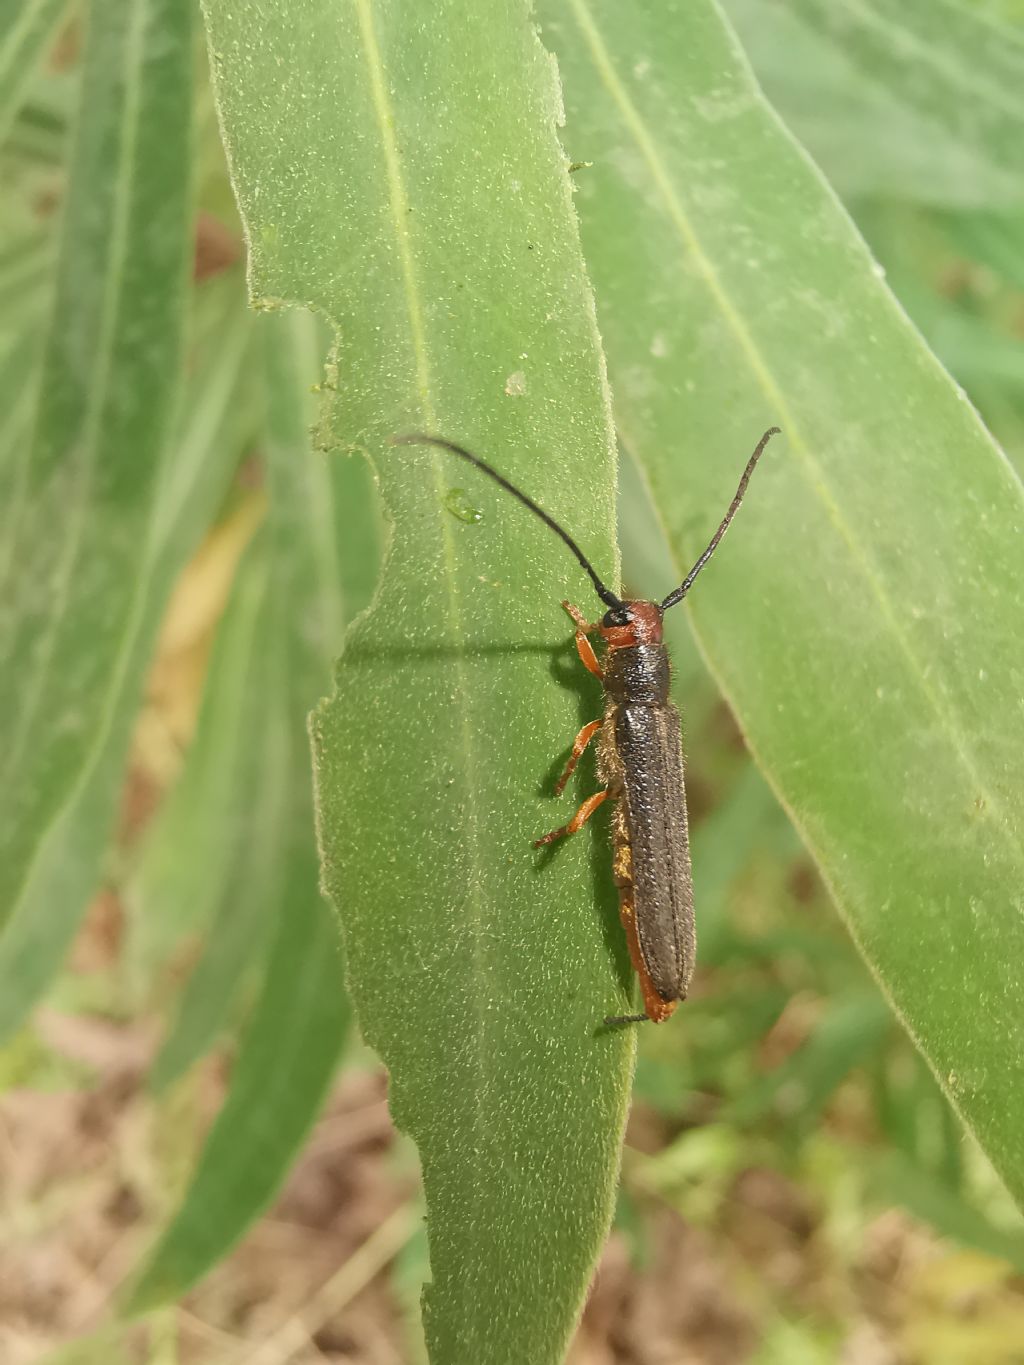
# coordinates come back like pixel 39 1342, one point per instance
pixel 618 616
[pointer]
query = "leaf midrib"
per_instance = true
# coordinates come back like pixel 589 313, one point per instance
pixel 398 204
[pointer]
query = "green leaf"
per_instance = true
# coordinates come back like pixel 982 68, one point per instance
pixel 846 1035
pixel 193 478
pixel 25 268
pixel 286 1059
pixel 406 179
pixel 199 860
pixel 895 1179
pixel 863 614
pixel 25 29
pixel 921 99
pixel 220 842
pixel 299 1023
pixel 647 565
pixel 973 335
pixel 184 867
pixel 18 371
pixel 110 372
pixel 992 238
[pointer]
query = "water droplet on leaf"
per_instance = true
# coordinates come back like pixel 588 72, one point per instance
pixel 458 503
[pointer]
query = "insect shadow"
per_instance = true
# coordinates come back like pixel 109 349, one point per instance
pixel 564 668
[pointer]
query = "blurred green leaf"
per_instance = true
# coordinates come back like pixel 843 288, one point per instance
pixel 25 269
pixel 17 377
pixel 993 239
pixel 110 372
pixel 299 1022
pixel 921 99
pixel 220 843
pixel 406 180
pixel 721 845
pixel 863 614
pixel 193 872
pixel 188 851
pixel 845 1036
pixel 695 1171
pixel 895 1179
pixel 193 477
pixel 959 277
pixel 38 139
pixel 286 1058
pixel 25 29
pixel 647 567
pixel 797 1343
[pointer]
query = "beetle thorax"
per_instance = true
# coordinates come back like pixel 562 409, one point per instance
pixel 637 675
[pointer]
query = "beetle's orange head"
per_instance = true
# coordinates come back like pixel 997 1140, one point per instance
pixel 634 623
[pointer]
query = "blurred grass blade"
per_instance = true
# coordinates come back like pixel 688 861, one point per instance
pixel 406 179
pixel 299 1023
pixel 26 27
pixel 863 616
pixel 920 99
pixel 67 869
pixel 110 371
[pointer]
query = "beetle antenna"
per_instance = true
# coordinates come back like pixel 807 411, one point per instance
pixel 612 1020
pixel 417 438
pixel 687 582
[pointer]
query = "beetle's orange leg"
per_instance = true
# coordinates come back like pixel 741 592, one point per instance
pixel 578 820
pixel 578 745
pixel 583 645
pixel 586 653
pixel 581 621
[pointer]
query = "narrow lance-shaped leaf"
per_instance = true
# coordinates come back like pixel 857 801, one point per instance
pixel 111 367
pixel 299 1022
pixel 323 525
pixel 192 865
pixel 286 1058
pixel 863 616
pixel 194 475
pixel 406 179
pixel 26 265
pixel 18 374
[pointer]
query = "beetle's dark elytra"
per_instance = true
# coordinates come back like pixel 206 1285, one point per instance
pixel 647 743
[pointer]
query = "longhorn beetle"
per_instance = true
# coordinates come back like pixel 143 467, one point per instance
pixel 640 762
